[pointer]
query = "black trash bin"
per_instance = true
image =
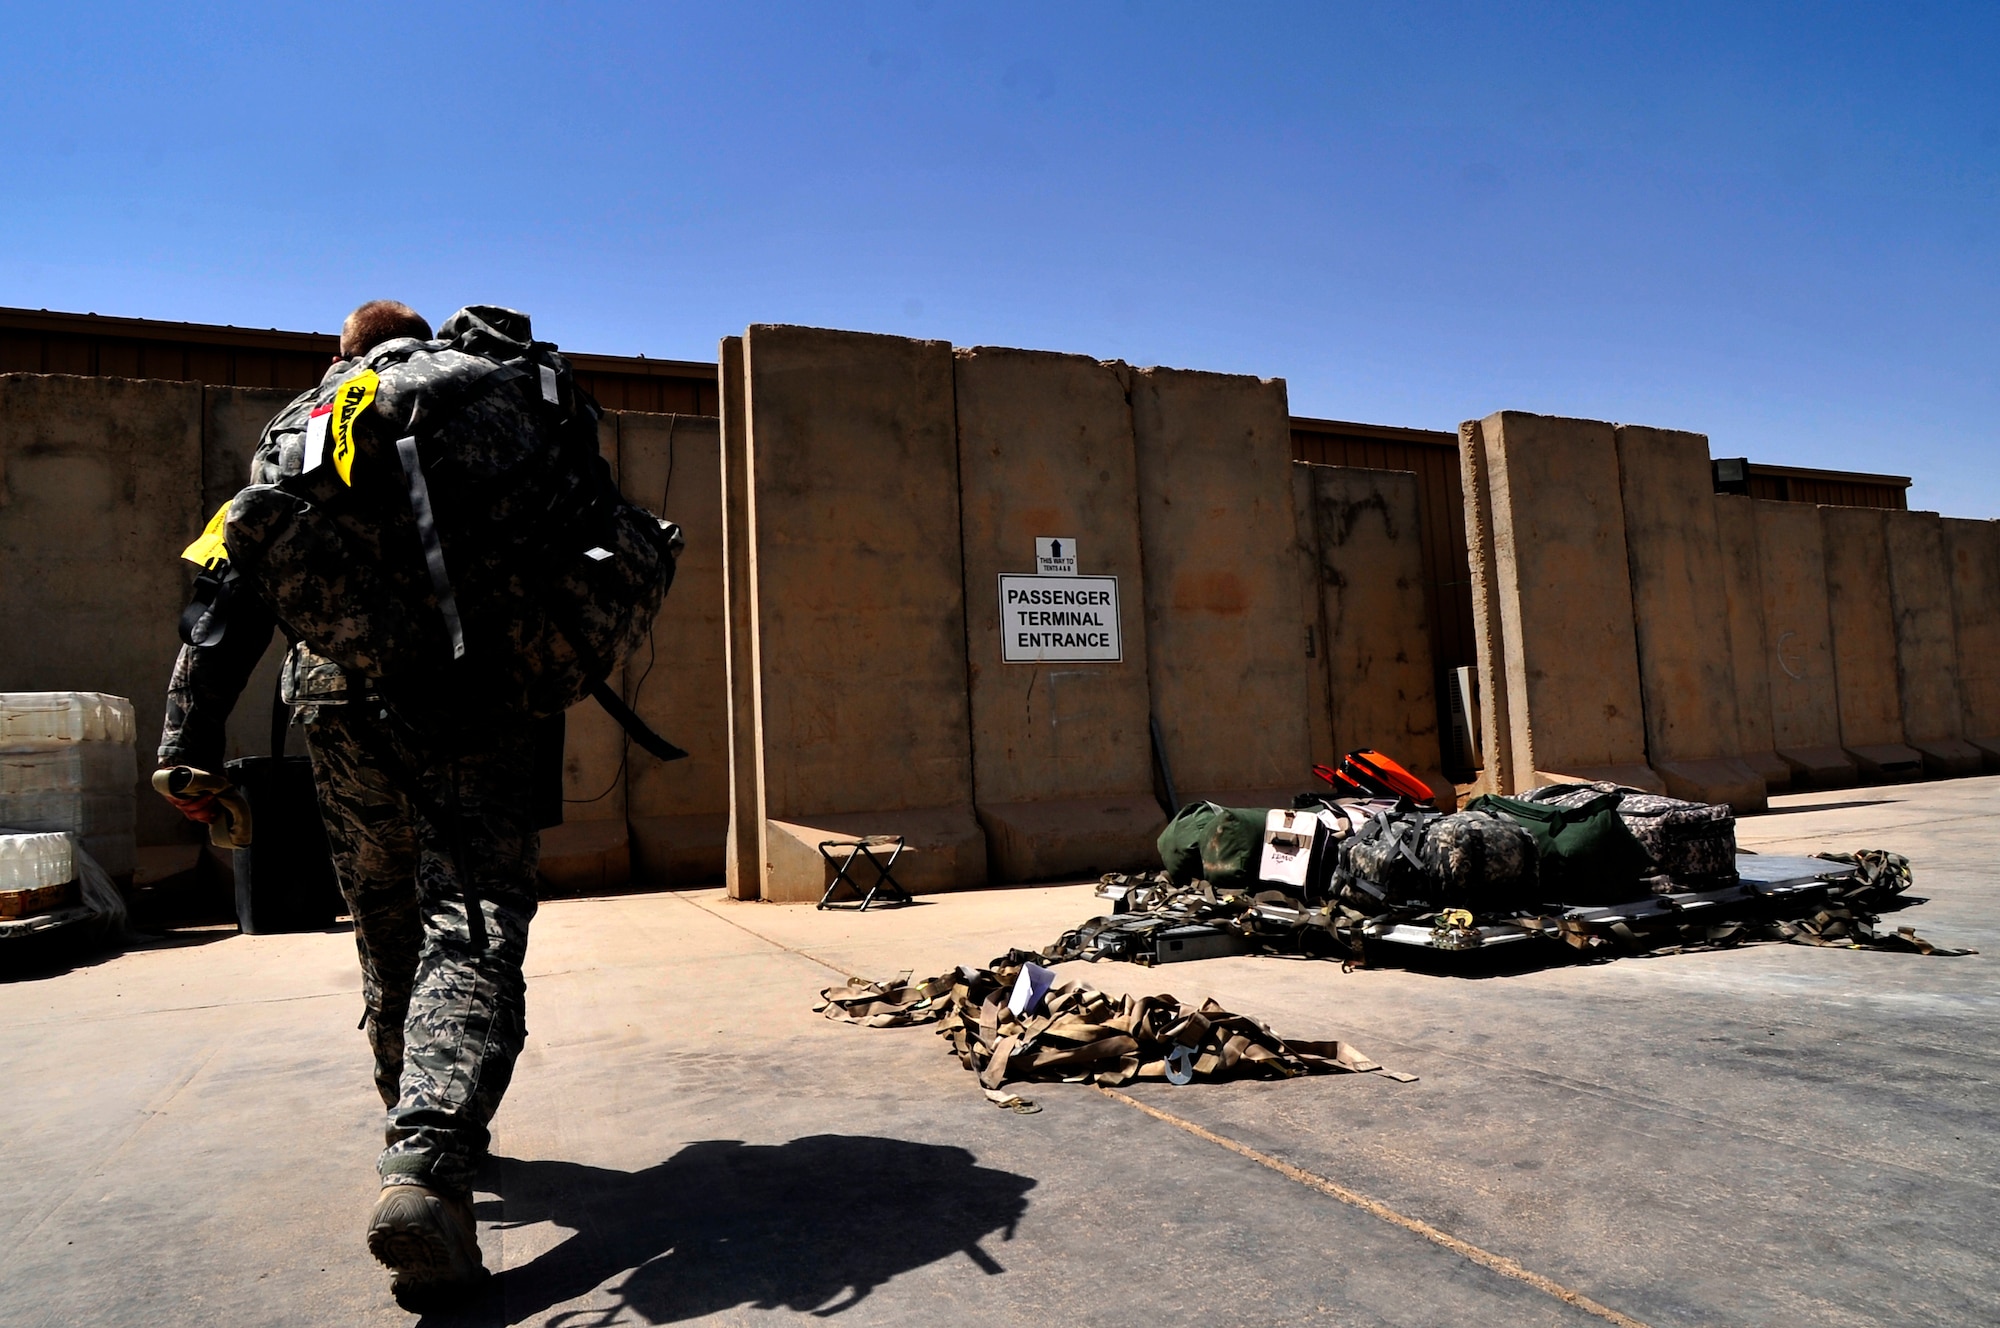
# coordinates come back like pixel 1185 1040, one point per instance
pixel 284 879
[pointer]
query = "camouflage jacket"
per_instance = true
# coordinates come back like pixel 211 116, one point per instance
pixel 208 678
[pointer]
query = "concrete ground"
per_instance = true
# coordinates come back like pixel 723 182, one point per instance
pixel 1775 1135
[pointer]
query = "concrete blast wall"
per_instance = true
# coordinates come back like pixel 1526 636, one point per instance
pixel 858 617
pixel 1926 644
pixel 1544 497
pixel 1061 753
pixel 1864 642
pixel 1680 612
pixel 887 486
pixel 1743 589
pixel 100 489
pixel 1972 549
pixel 743 869
pixel 1496 730
pixel 1372 674
pixel 1798 644
pixel 1227 667
pixel 678 811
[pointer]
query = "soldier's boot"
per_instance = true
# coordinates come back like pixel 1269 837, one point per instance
pixel 429 1239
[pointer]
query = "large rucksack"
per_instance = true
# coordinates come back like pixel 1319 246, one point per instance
pixel 436 517
pixel 1470 860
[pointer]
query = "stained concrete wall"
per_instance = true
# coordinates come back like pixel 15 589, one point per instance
pixel 1061 754
pixel 1927 644
pixel 1372 657
pixel 1568 656
pixel 1680 614
pixel 1743 592
pixel 858 620
pixel 100 489
pixel 1798 644
pixel 1496 732
pixel 1227 666
pixel 1864 641
pixel 744 843
pixel 1972 549
pixel 678 811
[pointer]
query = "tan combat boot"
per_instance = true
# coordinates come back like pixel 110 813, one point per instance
pixel 429 1239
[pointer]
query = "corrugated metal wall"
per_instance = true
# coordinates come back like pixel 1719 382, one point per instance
pixel 36 341
pixel 1433 457
pixel 1829 488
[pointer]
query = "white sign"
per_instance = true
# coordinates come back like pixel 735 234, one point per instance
pixel 1055 555
pixel 1066 619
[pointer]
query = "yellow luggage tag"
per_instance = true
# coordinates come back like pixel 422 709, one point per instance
pixel 208 550
pixel 353 397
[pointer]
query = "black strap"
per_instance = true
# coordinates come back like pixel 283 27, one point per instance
pixel 641 732
pixel 420 508
pixel 206 616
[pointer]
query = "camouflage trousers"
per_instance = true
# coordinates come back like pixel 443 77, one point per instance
pixel 436 858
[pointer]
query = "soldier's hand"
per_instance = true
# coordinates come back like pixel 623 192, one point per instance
pixel 201 808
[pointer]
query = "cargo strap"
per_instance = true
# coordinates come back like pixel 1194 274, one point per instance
pixel 420 508
pixel 1078 1034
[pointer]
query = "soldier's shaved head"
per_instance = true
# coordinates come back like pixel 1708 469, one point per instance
pixel 378 321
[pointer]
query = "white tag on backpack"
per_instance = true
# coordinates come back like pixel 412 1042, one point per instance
pixel 315 445
pixel 597 555
pixel 549 393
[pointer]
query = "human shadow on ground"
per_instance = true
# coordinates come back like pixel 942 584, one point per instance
pixel 815 1225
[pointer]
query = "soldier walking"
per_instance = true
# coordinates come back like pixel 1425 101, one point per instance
pixel 424 775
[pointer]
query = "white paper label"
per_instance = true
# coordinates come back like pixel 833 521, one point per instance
pixel 1055 555
pixel 315 447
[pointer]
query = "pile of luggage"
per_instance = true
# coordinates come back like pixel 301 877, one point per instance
pixel 1600 867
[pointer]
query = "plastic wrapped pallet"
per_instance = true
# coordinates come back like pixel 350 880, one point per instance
pixel 68 764
pixel 37 721
pixel 37 873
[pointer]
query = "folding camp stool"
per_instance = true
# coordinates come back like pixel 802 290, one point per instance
pixel 864 848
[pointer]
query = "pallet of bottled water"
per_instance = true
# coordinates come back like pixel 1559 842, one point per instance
pixel 69 765
pixel 37 874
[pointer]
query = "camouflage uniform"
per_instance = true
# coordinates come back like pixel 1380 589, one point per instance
pixel 433 836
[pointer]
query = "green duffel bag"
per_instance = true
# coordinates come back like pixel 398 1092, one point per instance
pixel 1207 841
pixel 1588 856
pixel 1233 848
pixel 1180 843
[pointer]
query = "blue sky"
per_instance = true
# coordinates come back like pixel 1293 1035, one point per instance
pixel 1775 224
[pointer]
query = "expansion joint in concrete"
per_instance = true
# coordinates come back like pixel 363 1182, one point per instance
pixel 788 949
pixel 1498 1263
